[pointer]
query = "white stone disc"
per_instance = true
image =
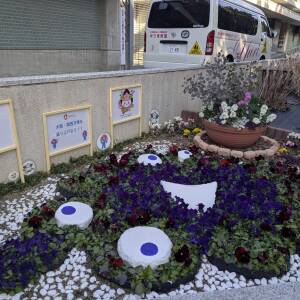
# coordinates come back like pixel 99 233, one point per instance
pixel 149 159
pixel 145 246
pixel 193 195
pixel 184 154
pixel 74 213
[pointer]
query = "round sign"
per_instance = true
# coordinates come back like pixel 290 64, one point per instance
pixel 103 141
pixel 185 34
pixel 13 176
pixel 29 167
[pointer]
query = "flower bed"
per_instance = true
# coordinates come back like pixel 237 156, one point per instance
pixel 253 225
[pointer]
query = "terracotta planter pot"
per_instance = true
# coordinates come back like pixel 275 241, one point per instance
pixel 231 137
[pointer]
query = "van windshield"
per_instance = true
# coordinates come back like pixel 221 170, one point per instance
pixel 179 14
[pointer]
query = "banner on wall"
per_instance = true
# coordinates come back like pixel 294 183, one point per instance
pixel 125 106
pixel 8 137
pixel 123 35
pixel 67 130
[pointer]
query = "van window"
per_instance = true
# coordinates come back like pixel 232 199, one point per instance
pixel 265 27
pixel 234 18
pixel 179 14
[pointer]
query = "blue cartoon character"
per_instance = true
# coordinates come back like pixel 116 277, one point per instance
pixel 84 135
pixel 54 143
pixel 126 101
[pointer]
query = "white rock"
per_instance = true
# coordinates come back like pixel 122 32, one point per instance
pixel 232 275
pixel 264 281
pixel 43 292
pixel 50 280
pixel 293 279
pixel 257 281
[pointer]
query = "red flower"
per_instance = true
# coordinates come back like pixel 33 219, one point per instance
pixel 101 168
pixel 116 262
pixel 263 257
pixel 174 150
pixel 148 148
pixel 288 233
pixel 35 221
pixel 113 159
pixel 242 255
pixel 123 162
pixel 113 180
pixel 285 214
pixel 224 163
pixel 265 226
pixel 101 201
pixel 47 211
pixel 183 254
pixel 138 218
pixel 194 149
pixel 170 223
pixel 223 219
pixel 202 162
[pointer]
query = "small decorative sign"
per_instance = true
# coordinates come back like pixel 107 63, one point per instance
pixel 126 103
pixel 103 142
pixel 13 176
pixel 67 130
pixel 8 134
pixel 154 117
pixel 29 167
pixel 125 106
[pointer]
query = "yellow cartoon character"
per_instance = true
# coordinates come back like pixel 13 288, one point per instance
pixel 126 101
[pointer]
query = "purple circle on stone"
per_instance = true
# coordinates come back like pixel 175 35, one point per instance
pixel 187 152
pixel 68 210
pixel 149 249
pixel 152 157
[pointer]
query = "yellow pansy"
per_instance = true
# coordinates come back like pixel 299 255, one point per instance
pixel 186 132
pixel 283 150
pixel 196 130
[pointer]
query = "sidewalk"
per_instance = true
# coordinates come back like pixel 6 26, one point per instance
pixel 288 291
pixel 290 119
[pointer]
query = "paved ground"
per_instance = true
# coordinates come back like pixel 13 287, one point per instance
pixel 290 119
pixel 288 291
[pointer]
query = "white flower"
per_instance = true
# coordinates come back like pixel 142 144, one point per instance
pixel 177 119
pixel 201 114
pixel 256 121
pixel 234 107
pixel 271 118
pixel 224 116
pixel 294 135
pixel 223 122
pixel 233 114
pixel 263 110
pixel 210 106
pixel 224 106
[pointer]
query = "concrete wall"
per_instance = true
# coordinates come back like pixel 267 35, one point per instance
pixel 40 60
pixel 32 96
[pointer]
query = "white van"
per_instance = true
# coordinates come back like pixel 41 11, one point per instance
pixel 190 32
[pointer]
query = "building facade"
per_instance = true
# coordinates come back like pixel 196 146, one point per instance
pixel 58 36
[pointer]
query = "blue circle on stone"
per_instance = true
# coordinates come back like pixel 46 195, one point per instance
pixel 68 210
pixel 149 249
pixel 152 157
pixel 186 152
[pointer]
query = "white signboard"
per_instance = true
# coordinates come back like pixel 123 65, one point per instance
pixel 6 127
pixel 67 130
pixel 126 103
pixel 122 35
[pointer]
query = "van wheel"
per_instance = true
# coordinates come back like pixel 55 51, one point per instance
pixel 262 58
pixel 229 58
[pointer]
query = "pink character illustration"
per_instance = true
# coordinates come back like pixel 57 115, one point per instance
pixel 126 101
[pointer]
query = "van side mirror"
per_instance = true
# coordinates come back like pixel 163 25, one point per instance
pixel 274 34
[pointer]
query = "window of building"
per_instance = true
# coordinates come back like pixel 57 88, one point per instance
pixel 235 18
pixel 180 14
